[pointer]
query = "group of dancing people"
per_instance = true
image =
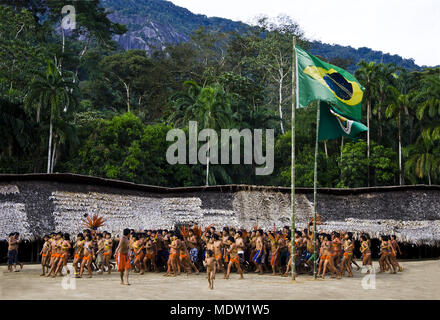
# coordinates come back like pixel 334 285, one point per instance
pixel 189 249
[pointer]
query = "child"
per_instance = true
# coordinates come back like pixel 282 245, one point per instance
pixel 385 253
pixel 329 257
pixel 100 253
pixel 64 256
pixel 218 245
pixel 211 268
pixel 108 244
pixel 87 256
pixel 366 253
pixel 395 247
pixel 258 257
pixel 274 249
pixel 348 255
pixel 78 255
pixel 173 259
pixel 45 255
pixel 336 251
pixel 138 247
pixel 150 254
pixel 234 259
pixel 56 253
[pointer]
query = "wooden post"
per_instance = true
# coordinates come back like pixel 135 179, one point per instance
pixel 292 191
pixel 315 182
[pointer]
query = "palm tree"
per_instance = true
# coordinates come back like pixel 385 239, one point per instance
pixel 398 103
pixel 210 106
pixel 424 155
pixel 385 77
pixel 423 158
pixel 428 100
pixel 53 91
pixel 367 75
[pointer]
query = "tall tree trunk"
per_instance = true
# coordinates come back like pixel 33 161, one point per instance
pixel 52 164
pixel 280 103
pixel 342 145
pixel 63 41
pixel 10 145
pixel 325 148
pixel 49 152
pixel 368 139
pixel 380 132
pixel 38 112
pixel 127 90
pixel 399 125
pixel 37 155
pixel 207 165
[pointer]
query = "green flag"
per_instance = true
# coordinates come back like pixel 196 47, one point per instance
pixel 333 125
pixel 318 80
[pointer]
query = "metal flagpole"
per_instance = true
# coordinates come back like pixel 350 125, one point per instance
pixel 318 113
pixel 292 192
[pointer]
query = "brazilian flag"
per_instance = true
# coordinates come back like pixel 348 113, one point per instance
pixel 333 125
pixel 318 80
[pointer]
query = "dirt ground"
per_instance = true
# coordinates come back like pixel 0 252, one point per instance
pixel 419 280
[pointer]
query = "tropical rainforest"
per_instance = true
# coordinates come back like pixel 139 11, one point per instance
pixel 74 100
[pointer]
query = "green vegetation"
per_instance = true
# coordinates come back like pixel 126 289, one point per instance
pixel 75 102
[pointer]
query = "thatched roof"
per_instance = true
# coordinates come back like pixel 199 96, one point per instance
pixel 78 178
pixel 34 204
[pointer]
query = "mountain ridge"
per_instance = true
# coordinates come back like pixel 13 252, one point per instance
pixel 152 24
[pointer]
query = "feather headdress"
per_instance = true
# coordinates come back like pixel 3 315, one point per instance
pixel 93 223
pixel 318 219
pixel 184 232
pixel 197 231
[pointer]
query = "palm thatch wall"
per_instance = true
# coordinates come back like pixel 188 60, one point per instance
pixel 35 204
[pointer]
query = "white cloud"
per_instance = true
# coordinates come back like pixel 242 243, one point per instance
pixel 410 29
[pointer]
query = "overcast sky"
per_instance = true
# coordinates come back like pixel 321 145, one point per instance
pixel 409 28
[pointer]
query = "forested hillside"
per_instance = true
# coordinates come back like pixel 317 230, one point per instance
pixel 152 24
pixel 354 56
pixel 76 102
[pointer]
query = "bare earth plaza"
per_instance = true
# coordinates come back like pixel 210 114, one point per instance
pixel 419 281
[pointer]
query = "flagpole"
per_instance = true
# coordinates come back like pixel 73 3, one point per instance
pixel 318 113
pixel 292 192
